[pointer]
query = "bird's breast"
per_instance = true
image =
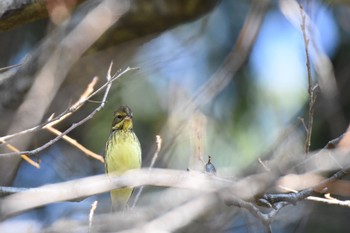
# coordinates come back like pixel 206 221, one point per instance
pixel 123 152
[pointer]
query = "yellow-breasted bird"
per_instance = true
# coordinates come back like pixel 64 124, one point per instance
pixel 122 153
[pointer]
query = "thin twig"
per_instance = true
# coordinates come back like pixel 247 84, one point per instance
pixel 10 67
pixel 71 109
pixel 158 147
pixel 108 86
pixel 54 120
pixel 76 106
pixel 277 201
pixel 23 156
pixel 265 218
pixel 294 197
pixel 155 156
pixel 327 199
pixel 83 98
pixel 264 165
pixel 75 125
pixel 311 89
pixel 332 201
pixel 91 214
pixel 76 144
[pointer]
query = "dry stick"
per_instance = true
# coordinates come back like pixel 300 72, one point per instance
pixel 330 201
pixel 23 156
pixel 35 128
pixel 75 125
pixel 76 105
pixel 327 199
pixel 278 201
pixel 64 114
pixel 10 67
pixel 159 146
pixel 301 195
pixel 76 144
pixel 83 98
pixel 91 214
pixel 311 90
pixel 155 156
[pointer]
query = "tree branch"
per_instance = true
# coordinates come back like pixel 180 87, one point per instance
pixel 73 126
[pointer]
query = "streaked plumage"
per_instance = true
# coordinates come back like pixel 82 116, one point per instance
pixel 122 153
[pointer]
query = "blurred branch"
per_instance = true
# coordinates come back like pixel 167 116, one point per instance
pixel 189 212
pixel 228 69
pixel 8 68
pixel 236 58
pixel 293 198
pixel 265 218
pixel 85 187
pixel 48 66
pixel 277 201
pixel 15 13
pixel 330 201
pixel 144 17
pixel 91 214
pixel 245 188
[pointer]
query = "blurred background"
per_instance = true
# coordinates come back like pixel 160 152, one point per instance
pixel 180 47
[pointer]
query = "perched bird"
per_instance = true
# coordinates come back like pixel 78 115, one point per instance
pixel 122 153
pixel 209 167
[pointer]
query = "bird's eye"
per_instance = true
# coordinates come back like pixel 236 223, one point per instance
pixel 119 116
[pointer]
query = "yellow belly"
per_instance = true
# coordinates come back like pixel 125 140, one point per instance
pixel 123 152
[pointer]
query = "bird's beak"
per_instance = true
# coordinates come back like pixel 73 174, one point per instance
pixel 127 123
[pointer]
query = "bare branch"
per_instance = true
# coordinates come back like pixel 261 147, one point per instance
pixel 311 88
pixel 81 188
pixel 76 144
pixel 23 156
pixel 330 201
pixel 75 125
pixel 294 197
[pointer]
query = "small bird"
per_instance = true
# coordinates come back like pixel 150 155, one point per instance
pixel 122 153
pixel 209 167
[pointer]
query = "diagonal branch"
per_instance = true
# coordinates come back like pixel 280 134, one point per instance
pixel 75 125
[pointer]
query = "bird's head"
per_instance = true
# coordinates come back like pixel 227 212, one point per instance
pixel 122 119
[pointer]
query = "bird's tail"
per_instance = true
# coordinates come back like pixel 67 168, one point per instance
pixel 120 198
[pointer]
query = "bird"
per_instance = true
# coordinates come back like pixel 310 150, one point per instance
pixel 122 153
